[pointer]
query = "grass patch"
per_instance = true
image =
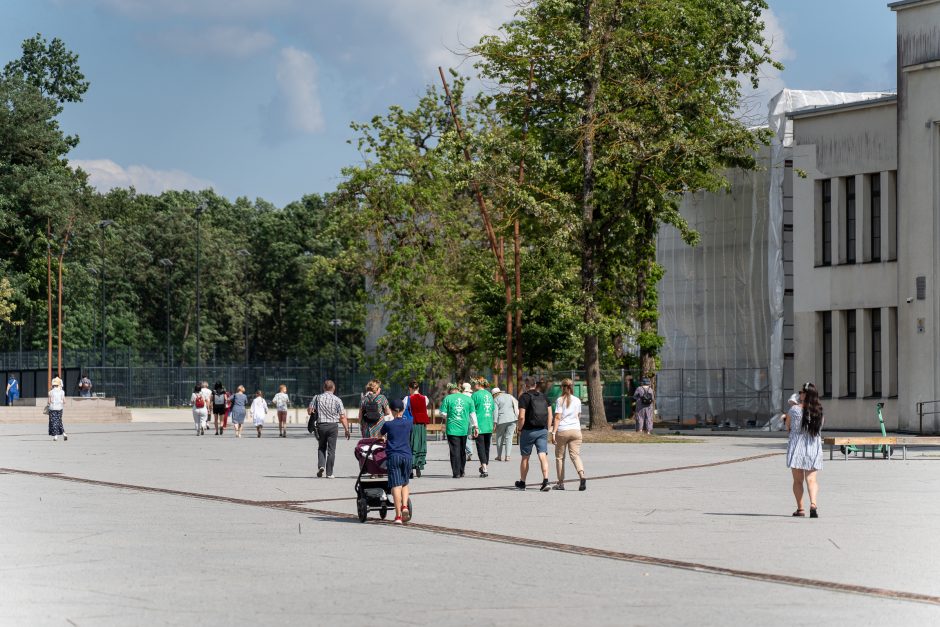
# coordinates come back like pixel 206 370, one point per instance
pixel 621 436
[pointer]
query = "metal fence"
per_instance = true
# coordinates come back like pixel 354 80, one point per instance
pixel 739 396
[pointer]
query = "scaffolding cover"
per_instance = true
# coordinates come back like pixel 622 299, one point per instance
pixel 722 302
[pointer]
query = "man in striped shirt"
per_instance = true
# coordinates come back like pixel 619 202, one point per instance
pixel 330 414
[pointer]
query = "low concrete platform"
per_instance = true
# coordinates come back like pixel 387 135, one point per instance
pixel 147 524
pixel 77 409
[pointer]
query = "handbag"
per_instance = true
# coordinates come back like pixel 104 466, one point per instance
pixel 45 409
pixel 312 422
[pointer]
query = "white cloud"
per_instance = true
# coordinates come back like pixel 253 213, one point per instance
pixel 296 106
pixel 105 174
pixel 227 41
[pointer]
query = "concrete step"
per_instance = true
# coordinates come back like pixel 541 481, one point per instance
pixel 21 415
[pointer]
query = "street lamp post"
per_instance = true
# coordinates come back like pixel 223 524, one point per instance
pixel 167 264
pixel 104 224
pixel 335 323
pixel 199 210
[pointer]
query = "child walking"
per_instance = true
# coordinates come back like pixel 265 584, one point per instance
pixel 281 402
pixel 397 433
pixel 259 411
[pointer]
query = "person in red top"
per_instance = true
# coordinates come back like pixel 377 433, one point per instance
pixel 416 408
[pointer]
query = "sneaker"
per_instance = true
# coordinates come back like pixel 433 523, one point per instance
pixel 520 485
pixel 405 514
pixel 331 477
pixel 398 520
pixel 320 472
pixel 583 485
pixel 55 438
pixel 545 487
pixel 558 486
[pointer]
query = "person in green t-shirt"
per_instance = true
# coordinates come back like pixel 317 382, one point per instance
pixel 483 405
pixel 457 409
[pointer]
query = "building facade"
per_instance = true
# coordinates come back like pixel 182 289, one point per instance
pixel 866 194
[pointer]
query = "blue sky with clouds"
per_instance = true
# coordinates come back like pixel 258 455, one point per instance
pixel 254 97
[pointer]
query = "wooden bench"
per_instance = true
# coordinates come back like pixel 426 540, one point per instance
pixel 873 441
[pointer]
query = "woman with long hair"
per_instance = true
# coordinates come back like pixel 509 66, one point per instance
pixel 373 410
pixel 567 434
pixel 804 447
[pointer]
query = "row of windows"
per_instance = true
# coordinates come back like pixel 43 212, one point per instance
pixel 851 335
pixel 872 215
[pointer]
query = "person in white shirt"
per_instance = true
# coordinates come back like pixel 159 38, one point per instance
pixel 281 402
pixel 200 409
pixel 567 434
pixel 507 413
pixel 56 406
pixel 259 411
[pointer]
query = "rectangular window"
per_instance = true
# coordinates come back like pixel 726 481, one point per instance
pixel 850 353
pixel 850 219
pixel 827 353
pixel 827 222
pixel 875 195
pixel 876 352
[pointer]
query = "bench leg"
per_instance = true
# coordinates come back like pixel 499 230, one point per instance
pixel 904 454
pixel 831 446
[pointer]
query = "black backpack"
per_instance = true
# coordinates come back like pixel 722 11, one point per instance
pixel 646 399
pixel 370 410
pixel 539 406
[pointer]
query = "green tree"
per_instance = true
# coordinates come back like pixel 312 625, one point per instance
pixel 634 103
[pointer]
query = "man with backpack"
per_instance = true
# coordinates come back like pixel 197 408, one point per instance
pixel 535 421
pixel 84 386
pixel 644 407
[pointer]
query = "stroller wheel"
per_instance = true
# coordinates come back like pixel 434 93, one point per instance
pixel 383 513
pixel 362 508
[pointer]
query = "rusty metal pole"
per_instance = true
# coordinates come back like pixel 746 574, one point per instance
pixel 49 302
pixel 487 224
pixel 516 237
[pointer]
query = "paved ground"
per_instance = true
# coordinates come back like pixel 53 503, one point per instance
pixel 146 524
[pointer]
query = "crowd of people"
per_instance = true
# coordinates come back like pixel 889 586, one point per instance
pixel 469 412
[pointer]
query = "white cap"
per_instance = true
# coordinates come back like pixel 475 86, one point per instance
pixel 495 391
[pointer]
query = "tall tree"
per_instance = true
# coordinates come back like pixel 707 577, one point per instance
pixel 635 103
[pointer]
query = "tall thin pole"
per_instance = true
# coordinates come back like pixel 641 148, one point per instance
pixel 166 269
pixel 515 234
pixel 104 314
pixel 65 245
pixel 335 322
pixel 198 289
pixel 488 226
pixel 49 302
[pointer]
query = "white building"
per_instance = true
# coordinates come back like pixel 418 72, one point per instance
pixel 866 197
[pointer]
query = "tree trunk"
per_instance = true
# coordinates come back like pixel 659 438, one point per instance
pixel 592 363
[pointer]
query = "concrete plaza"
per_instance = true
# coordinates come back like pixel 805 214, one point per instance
pixel 146 524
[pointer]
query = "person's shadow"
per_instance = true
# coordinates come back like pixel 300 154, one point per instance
pixel 747 514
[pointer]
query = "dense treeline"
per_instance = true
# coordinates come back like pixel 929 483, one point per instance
pixel 599 115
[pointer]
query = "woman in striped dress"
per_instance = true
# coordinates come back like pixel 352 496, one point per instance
pixel 804 447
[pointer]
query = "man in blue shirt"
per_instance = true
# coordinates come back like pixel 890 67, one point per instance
pixel 397 435
pixel 13 390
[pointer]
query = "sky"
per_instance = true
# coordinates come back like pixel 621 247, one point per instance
pixel 254 97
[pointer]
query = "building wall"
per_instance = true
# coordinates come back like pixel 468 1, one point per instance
pixel 918 225
pixel 846 146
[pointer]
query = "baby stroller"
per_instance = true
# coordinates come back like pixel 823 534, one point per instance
pixel 372 492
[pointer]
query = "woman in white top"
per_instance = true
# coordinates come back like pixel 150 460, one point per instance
pixel 567 434
pixel 200 409
pixel 259 411
pixel 56 405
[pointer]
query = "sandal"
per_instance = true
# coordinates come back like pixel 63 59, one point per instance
pixel 812 512
pixel 800 512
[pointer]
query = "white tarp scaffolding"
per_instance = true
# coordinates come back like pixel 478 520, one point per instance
pixel 722 303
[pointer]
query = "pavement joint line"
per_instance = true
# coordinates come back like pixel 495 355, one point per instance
pixel 636 473
pixel 573 549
